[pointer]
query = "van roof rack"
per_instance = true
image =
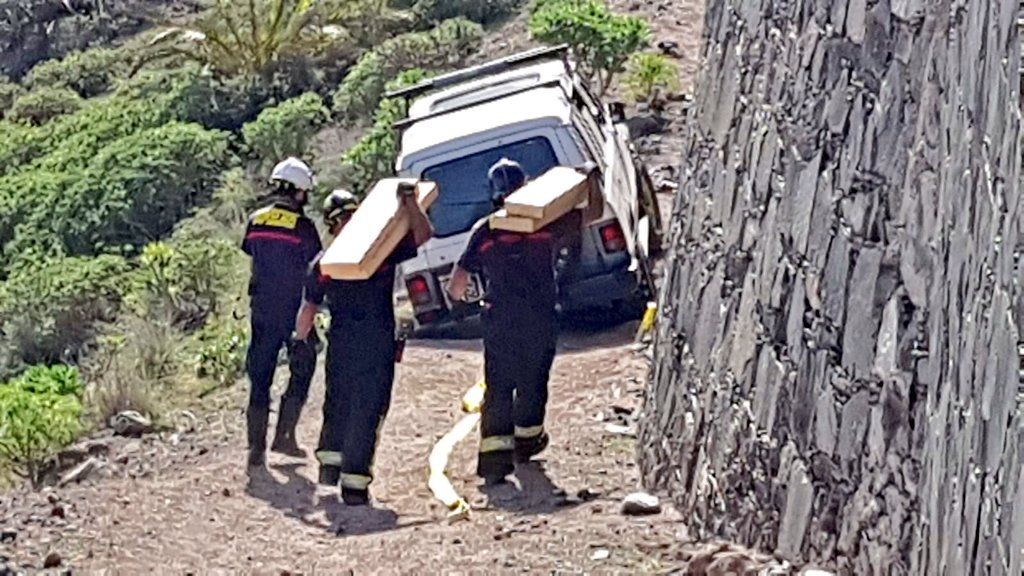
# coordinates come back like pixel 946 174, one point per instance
pixel 407 122
pixel 492 67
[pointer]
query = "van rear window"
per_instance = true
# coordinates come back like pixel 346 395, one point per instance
pixel 466 193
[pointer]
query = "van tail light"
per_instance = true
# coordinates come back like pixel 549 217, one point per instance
pixel 612 237
pixel 419 290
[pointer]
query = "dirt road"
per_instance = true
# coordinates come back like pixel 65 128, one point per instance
pixel 183 504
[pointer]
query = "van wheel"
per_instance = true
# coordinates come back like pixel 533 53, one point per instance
pixel 629 309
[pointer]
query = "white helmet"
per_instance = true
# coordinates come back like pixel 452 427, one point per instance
pixel 293 171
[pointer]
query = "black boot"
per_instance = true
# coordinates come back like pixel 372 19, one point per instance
pixel 284 436
pixel 329 475
pixel 527 448
pixel 256 419
pixel 493 467
pixel 354 497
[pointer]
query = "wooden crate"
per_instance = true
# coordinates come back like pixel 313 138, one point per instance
pixel 374 231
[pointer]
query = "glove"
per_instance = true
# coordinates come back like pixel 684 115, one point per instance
pixel 308 348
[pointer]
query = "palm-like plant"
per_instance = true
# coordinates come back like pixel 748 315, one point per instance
pixel 247 36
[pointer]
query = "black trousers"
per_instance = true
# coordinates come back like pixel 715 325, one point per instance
pixel 269 333
pixel 519 350
pixel 360 377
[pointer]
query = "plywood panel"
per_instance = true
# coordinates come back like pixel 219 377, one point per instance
pixel 549 196
pixel 374 231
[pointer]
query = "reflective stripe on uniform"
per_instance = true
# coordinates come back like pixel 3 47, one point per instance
pixel 497 444
pixel 355 481
pixel 527 432
pixel 328 457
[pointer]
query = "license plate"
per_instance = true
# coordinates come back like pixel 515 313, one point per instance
pixel 473 291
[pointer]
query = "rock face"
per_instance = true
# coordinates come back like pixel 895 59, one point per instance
pixel 836 363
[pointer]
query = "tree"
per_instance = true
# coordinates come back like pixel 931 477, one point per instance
pixel 246 37
pixel 251 37
pixel 836 362
pixel 601 39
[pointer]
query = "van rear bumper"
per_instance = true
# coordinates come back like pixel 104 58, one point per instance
pixel 600 291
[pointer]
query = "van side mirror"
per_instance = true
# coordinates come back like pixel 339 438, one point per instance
pixel 618 112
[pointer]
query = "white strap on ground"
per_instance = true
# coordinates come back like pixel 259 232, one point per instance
pixel 439 483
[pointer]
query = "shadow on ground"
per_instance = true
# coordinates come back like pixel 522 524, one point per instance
pixel 532 492
pixel 298 499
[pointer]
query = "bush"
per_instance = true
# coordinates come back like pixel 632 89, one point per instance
pixel 444 46
pixel 225 217
pixel 482 11
pixel 9 92
pixel 49 313
pixel 21 191
pixel 373 157
pixel 89 73
pixel 44 104
pixel 72 140
pixel 184 282
pixel 195 94
pixel 366 22
pixel 134 191
pixel 221 350
pixel 39 414
pixel 602 40
pixel 286 129
pixel 646 73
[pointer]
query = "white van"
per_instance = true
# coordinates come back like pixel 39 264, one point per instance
pixel 531 108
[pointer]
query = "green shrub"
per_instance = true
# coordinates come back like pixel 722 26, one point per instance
pixel 366 22
pixel 646 73
pixel 221 350
pixel 19 194
pixel 286 129
pixel 50 312
pixel 39 414
pixel 601 39
pixel 482 11
pixel 60 379
pixel 132 192
pixel 9 92
pixel 89 73
pixel 373 157
pixel 44 104
pixel 72 140
pixel 195 94
pixel 184 282
pixel 224 218
pixel 444 46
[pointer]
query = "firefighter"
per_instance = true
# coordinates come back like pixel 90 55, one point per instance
pixel 519 324
pixel 282 243
pixel 361 356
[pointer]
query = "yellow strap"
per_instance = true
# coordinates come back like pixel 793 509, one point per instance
pixel 328 457
pixel 473 399
pixel 527 432
pixel 497 444
pixel 355 481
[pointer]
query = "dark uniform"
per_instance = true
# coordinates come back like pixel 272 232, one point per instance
pixel 361 354
pixel 520 333
pixel 282 242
